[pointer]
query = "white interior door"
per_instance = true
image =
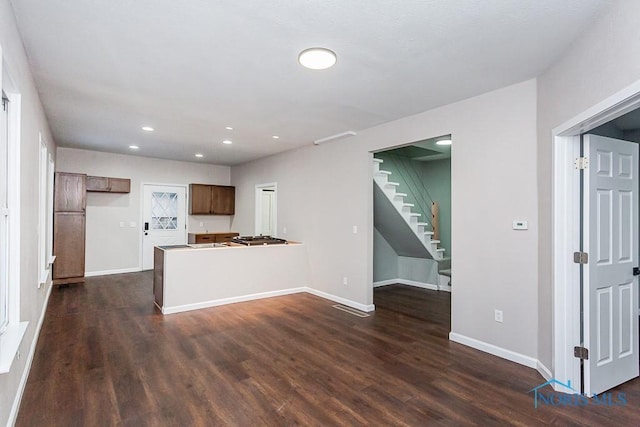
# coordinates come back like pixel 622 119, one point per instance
pixel 610 289
pixel 266 209
pixel 163 219
pixel 268 204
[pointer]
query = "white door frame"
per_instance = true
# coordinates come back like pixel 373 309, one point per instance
pixel 566 226
pixel 141 222
pixel 258 209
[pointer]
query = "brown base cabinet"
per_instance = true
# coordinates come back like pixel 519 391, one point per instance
pixel 211 237
pixel 68 246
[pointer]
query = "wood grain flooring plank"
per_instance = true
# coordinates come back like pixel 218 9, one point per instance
pixel 107 356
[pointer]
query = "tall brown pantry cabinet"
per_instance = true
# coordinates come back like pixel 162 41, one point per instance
pixel 69 227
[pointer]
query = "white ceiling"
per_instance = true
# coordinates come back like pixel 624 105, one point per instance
pixel 104 68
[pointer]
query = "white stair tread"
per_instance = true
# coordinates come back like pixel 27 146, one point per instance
pixel 378 160
pixel 394 184
pixel 440 250
pixel 384 173
pixel 408 205
pixel 428 233
pixel 415 214
pixel 400 195
pixel 435 241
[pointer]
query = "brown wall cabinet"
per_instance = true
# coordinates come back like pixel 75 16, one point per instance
pixel 211 237
pixel 69 228
pixel 211 199
pixel 103 184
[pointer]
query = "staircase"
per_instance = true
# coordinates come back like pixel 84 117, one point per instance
pixel 406 231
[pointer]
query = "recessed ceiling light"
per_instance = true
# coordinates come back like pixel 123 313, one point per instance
pixel 147 128
pixel 317 58
pixel 443 142
pixel 199 155
pixel 228 128
pixel 134 147
pixel 227 141
pixel 275 137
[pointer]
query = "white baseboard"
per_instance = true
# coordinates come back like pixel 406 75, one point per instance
pixel 27 368
pixel 495 350
pixel 340 300
pixel 109 272
pixel 232 300
pixel 415 283
pixel 251 297
pixel 385 283
pixel 544 371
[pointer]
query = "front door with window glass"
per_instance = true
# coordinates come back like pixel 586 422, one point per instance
pixel 163 221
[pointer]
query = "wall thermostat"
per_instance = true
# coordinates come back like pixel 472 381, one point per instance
pixel 520 225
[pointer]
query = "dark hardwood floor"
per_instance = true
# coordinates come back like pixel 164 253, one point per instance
pixel 106 356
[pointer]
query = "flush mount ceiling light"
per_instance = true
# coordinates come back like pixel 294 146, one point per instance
pixel 199 155
pixel 275 137
pixel 317 58
pixel 133 147
pixel 443 142
pixel 147 128
pixel 227 141
pixel 228 128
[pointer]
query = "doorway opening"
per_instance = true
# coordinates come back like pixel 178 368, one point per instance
pixel 578 311
pixel 412 227
pixel 266 221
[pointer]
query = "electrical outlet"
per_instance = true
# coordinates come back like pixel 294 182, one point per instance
pixel 201 224
pixel 355 229
pixel 345 281
pixel 498 316
pixel 121 224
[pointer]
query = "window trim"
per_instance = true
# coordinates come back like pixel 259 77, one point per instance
pixel 12 337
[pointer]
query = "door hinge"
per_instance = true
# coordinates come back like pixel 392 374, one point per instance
pixel 582 163
pixel 581 353
pixel 581 257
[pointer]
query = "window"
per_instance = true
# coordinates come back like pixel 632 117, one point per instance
pixel 12 330
pixel 51 173
pixel 164 211
pixel 4 214
pixel 45 213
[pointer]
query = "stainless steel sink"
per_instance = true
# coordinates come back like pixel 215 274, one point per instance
pixel 205 245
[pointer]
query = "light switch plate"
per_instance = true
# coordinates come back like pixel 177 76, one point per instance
pixel 520 225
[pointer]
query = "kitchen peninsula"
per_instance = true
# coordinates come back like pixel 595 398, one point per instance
pixel 190 277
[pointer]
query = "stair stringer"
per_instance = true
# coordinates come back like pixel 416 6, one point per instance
pixel 397 223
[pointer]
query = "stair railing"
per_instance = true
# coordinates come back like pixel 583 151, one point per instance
pixel 421 196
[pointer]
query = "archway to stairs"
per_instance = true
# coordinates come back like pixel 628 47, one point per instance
pixel 412 229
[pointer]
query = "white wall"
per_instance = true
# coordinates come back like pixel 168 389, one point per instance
pixel 323 191
pixel 603 61
pixel 32 299
pixel 111 248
